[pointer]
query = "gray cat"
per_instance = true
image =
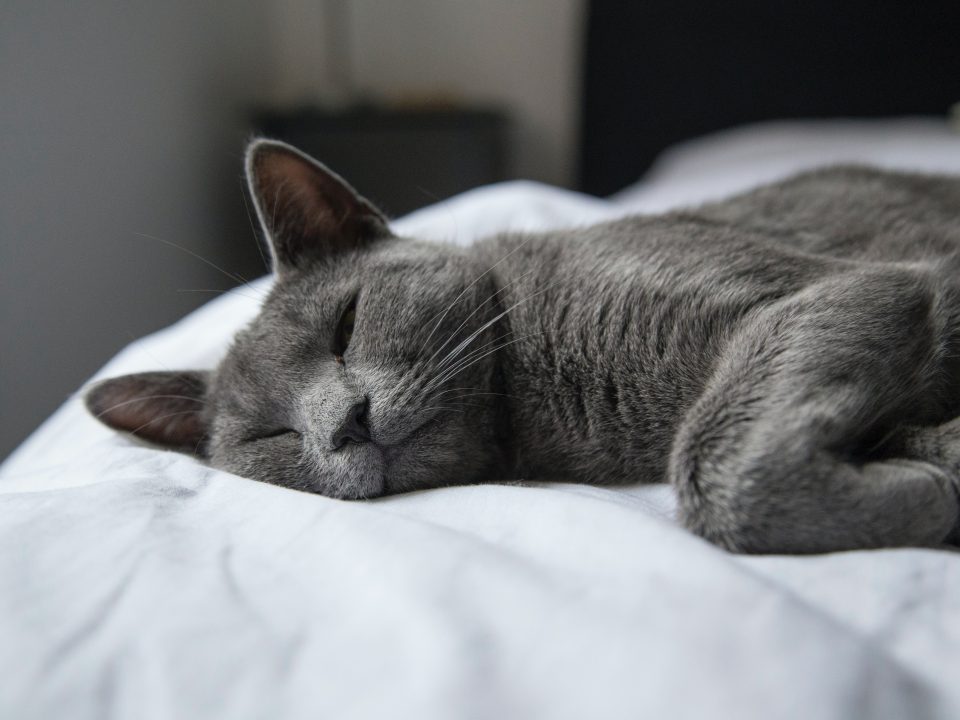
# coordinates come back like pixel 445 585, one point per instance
pixel 789 359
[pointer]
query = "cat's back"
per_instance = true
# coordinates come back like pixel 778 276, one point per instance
pixel 726 257
pixel 852 212
pixel 764 241
pixel 675 257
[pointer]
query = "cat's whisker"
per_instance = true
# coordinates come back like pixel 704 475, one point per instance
pixel 471 391
pixel 432 196
pixel 159 418
pixel 463 404
pixel 203 438
pixel 473 361
pixel 486 325
pixel 459 356
pixel 466 289
pixel 459 327
pixel 480 330
pixel 233 276
pixel 452 354
pixel 234 290
pixel 444 408
pixel 465 389
pixel 469 395
pixel 157 360
pixel 449 307
pixel 253 229
pixel 150 397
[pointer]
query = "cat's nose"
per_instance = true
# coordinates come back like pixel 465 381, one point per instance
pixel 354 426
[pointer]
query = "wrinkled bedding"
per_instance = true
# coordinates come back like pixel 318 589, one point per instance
pixel 137 583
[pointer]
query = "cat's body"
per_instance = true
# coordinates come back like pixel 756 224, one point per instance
pixel 628 320
pixel 787 358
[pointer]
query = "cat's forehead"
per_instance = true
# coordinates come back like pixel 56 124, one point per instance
pixel 388 276
pixel 405 257
pixel 390 265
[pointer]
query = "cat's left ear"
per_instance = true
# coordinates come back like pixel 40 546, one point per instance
pixel 307 211
pixel 165 408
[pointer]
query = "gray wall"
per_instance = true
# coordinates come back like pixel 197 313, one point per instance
pixel 116 119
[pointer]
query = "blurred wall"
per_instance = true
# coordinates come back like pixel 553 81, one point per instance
pixel 116 119
pixel 126 120
pixel 521 55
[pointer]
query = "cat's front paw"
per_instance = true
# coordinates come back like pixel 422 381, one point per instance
pixel 939 445
pixel 936 444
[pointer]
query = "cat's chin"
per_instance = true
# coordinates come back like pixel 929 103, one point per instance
pixel 359 473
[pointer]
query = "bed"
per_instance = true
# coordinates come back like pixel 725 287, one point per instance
pixel 139 583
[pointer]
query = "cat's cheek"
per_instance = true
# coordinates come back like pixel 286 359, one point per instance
pixel 433 458
pixel 276 461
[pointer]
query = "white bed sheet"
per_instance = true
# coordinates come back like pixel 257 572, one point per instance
pixel 136 583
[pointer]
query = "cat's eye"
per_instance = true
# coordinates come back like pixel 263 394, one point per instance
pixel 278 432
pixel 344 333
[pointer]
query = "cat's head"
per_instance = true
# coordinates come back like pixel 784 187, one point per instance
pixel 367 370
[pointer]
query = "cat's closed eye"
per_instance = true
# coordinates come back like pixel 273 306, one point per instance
pixel 344 331
pixel 278 432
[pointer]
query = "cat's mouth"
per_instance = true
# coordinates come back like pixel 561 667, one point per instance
pixel 361 472
pixel 392 461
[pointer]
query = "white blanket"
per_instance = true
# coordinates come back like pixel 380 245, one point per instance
pixel 137 583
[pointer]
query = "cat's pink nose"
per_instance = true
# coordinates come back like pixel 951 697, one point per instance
pixel 354 427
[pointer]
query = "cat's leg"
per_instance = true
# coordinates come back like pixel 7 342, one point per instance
pixel 940 445
pixel 795 444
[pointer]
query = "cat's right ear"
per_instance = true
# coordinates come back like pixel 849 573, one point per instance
pixel 165 408
pixel 307 211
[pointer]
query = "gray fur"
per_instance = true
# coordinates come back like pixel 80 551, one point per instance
pixel 787 358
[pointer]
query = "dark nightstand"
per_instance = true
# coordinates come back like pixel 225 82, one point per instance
pixel 399 159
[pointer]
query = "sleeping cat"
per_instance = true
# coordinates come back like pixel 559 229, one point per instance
pixel 789 359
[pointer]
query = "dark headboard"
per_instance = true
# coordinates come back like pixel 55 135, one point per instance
pixel 662 71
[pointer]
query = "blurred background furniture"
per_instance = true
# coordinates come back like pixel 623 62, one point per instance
pixel 656 73
pixel 400 159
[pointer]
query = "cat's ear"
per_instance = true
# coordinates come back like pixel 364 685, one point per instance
pixel 307 211
pixel 166 408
